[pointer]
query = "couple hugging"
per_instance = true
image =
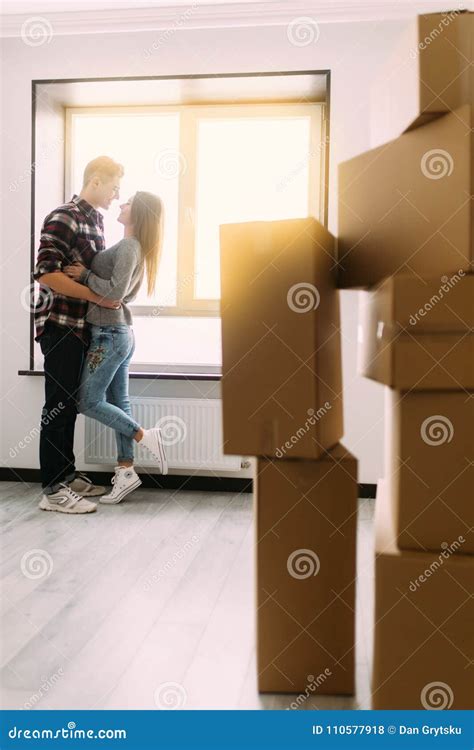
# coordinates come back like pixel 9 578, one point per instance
pixel 85 332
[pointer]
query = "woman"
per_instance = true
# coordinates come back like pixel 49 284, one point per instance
pixel 117 273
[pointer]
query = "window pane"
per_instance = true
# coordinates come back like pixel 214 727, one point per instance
pixel 146 145
pixel 177 340
pixel 171 340
pixel 248 169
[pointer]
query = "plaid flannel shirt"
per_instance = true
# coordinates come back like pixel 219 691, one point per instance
pixel 72 232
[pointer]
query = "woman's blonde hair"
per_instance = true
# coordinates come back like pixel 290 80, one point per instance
pixel 147 217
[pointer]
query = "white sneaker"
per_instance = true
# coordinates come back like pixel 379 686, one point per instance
pixel 125 481
pixel 66 500
pixel 153 441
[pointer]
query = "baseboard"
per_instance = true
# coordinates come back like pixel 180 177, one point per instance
pixel 167 482
pixel 153 481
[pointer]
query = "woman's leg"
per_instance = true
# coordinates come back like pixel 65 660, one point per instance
pixel 109 348
pixel 118 395
pixel 121 451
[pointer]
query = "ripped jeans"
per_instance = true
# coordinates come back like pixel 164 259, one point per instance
pixel 103 392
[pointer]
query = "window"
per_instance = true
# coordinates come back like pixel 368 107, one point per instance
pixel 211 165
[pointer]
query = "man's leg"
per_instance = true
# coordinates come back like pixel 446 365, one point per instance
pixel 63 358
pixel 71 425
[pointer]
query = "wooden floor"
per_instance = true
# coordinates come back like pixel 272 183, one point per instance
pixel 144 605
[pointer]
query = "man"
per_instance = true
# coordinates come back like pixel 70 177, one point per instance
pixel 73 232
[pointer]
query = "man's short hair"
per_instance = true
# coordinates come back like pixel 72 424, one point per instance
pixel 103 166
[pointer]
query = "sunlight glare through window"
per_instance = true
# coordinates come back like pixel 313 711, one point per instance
pixel 249 169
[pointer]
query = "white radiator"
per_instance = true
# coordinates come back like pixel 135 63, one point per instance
pixel 191 428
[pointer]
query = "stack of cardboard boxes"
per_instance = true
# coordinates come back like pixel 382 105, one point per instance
pixel 406 230
pixel 281 391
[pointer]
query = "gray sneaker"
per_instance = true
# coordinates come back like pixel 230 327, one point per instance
pixel 83 486
pixel 66 501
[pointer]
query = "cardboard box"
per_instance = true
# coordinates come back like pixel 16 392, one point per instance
pixel 426 75
pixel 281 351
pixel 430 454
pixel 424 623
pixel 417 333
pixel 306 513
pixel 405 207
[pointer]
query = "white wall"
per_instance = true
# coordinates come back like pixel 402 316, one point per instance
pixel 352 52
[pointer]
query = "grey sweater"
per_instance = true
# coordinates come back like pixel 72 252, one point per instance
pixel 115 273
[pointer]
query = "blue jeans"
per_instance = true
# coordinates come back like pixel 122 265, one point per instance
pixel 103 392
